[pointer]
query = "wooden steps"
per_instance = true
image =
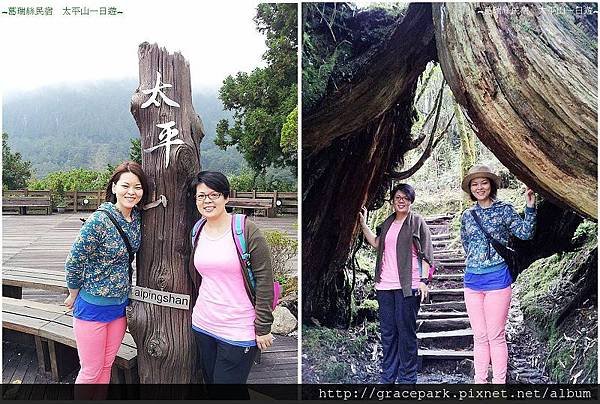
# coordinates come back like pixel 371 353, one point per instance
pixel 444 306
pixel 442 324
pixel 441 314
pixel 445 334
pixel 443 327
pixel 445 354
pixel 448 277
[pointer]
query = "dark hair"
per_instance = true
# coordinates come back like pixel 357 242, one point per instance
pixel 493 190
pixel 127 167
pixel 405 189
pixel 214 180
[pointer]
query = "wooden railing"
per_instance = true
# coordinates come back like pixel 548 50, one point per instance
pixel 284 202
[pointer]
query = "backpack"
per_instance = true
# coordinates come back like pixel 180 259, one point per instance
pixel 238 227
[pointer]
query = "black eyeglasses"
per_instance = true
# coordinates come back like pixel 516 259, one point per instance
pixel 213 196
pixel 402 198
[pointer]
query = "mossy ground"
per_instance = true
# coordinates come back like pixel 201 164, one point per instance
pixel 547 287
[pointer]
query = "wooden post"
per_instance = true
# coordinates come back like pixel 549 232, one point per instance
pixel 75 201
pixel 275 207
pixel 163 335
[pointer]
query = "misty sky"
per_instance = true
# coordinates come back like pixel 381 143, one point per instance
pixel 218 38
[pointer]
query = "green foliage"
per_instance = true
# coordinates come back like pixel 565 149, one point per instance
pixel 369 304
pixel 315 338
pixel 283 248
pixel 78 179
pixel 331 351
pixel 272 180
pixel 338 40
pixel 135 150
pixel 289 133
pixel 335 370
pixel 545 290
pixel 262 100
pixel 15 171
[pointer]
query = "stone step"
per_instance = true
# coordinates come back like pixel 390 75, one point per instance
pixel 453 264
pixel 445 334
pixel 457 291
pixel 446 295
pixel 439 219
pixel 442 324
pixel 441 314
pixel 453 251
pixel 444 306
pixel 448 277
pixel 443 236
pixel 449 259
pixel 438 228
pixel 445 354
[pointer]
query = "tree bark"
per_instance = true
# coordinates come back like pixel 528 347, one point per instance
pixel 343 173
pixel 355 104
pixel 528 84
pixel 166 349
pixel 467 149
pixel 554 231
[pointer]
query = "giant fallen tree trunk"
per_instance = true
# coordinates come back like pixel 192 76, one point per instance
pixel 351 144
pixel 528 82
pixel 529 89
pixel 166 350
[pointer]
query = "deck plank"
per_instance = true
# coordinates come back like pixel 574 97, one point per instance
pixel 37 247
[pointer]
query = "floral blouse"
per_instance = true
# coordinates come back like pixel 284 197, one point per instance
pixel 500 220
pixel 99 262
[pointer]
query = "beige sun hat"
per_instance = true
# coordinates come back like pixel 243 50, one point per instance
pixel 478 171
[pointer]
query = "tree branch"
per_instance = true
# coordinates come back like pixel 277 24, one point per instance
pixel 431 144
pixel 414 143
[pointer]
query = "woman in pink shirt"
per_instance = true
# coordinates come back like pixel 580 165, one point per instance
pixel 231 319
pixel 404 255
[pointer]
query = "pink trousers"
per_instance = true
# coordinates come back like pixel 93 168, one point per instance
pixel 97 347
pixel 488 312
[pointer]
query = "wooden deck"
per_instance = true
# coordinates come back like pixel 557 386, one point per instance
pixel 42 242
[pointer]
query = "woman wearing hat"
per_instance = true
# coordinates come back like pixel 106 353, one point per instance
pixel 487 279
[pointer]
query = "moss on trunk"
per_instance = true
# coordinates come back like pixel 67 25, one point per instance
pixel 558 295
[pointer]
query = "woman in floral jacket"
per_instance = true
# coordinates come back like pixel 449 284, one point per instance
pixel 97 273
pixel 487 279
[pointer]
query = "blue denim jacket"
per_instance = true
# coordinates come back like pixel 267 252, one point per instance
pixel 500 220
pixel 98 263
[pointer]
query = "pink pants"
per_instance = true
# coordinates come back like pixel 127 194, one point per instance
pixel 488 312
pixel 97 347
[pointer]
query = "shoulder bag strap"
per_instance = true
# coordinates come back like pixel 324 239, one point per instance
pixel 478 221
pixel 239 228
pixel 125 239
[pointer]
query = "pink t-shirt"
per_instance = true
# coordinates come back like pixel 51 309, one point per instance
pixel 223 308
pixel 390 279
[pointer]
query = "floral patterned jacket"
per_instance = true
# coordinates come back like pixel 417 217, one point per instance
pixel 500 220
pixel 99 262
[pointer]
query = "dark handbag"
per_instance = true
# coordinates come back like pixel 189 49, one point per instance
pixel 509 254
pixel 125 239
